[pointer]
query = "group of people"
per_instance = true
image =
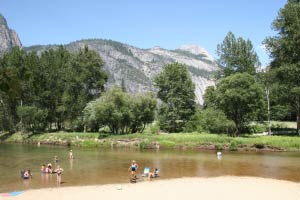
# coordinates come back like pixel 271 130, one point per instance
pixel 26 174
pixel 133 168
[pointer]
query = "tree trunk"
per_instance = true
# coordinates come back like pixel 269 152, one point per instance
pixel 298 124
pixel 269 115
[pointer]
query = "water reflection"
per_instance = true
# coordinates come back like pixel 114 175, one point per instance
pixel 94 166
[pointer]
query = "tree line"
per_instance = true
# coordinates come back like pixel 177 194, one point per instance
pixel 59 90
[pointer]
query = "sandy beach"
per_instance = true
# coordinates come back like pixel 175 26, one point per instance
pixel 225 188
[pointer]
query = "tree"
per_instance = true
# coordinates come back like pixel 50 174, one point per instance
pixel 176 90
pixel 85 81
pixel 266 79
pixel 10 87
pixel 236 55
pixel 121 112
pixel 143 109
pixel 284 49
pixel 211 120
pixel 239 96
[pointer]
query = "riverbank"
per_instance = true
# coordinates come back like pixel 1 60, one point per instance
pixel 226 188
pixel 201 141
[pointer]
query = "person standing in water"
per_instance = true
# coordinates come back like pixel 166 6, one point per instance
pixel 59 171
pixel 71 156
pixel 55 159
pixel 133 168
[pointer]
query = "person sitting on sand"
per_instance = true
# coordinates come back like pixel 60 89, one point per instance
pixel 153 174
pixel 58 171
pixel 133 168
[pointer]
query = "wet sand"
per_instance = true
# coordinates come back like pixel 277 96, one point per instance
pixel 225 188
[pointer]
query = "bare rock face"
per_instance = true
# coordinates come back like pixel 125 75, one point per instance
pixel 8 37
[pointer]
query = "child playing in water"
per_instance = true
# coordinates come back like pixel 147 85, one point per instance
pixel 133 167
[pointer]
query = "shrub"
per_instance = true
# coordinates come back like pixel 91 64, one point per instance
pixel 256 128
pixel 219 146
pixel 233 146
pixel 211 120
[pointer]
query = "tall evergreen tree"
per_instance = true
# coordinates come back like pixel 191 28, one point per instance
pixel 176 90
pixel 285 52
pixel 237 55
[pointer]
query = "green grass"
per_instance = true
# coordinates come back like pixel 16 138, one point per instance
pixel 187 140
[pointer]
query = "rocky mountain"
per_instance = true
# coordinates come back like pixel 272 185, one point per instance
pixel 8 37
pixel 131 66
pixel 136 68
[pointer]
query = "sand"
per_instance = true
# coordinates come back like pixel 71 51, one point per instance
pixel 219 188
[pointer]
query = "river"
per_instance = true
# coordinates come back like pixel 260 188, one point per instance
pixel 94 166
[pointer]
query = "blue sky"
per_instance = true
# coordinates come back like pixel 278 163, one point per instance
pixel 166 23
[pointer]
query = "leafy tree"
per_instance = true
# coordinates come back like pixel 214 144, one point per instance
pixel 239 96
pixel 285 52
pixel 210 120
pixel 119 111
pixel 10 88
pixel 236 55
pixel 85 81
pixel 32 118
pixel 176 90
pixel 50 88
pixel 143 109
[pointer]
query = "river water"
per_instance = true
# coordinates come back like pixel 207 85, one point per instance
pixel 94 166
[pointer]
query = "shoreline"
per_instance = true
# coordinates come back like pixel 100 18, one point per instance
pixel 207 147
pixel 225 187
pixel 176 141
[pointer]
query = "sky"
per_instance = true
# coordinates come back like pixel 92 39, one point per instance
pixel 143 23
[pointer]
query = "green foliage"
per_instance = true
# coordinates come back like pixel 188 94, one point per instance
pixel 219 146
pixel 253 128
pixel 32 118
pixel 239 97
pixel 210 120
pixel 284 48
pixel 55 82
pixel 176 90
pixel 233 146
pixel 237 56
pixel 121 112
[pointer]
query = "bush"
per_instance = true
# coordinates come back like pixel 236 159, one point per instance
pixel 210 120
pixel 154 128
pixel 233 146
pixel 219 146
pixel 256 128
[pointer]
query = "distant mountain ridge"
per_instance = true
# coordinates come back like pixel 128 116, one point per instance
pixel 132 66
pixel 137 67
